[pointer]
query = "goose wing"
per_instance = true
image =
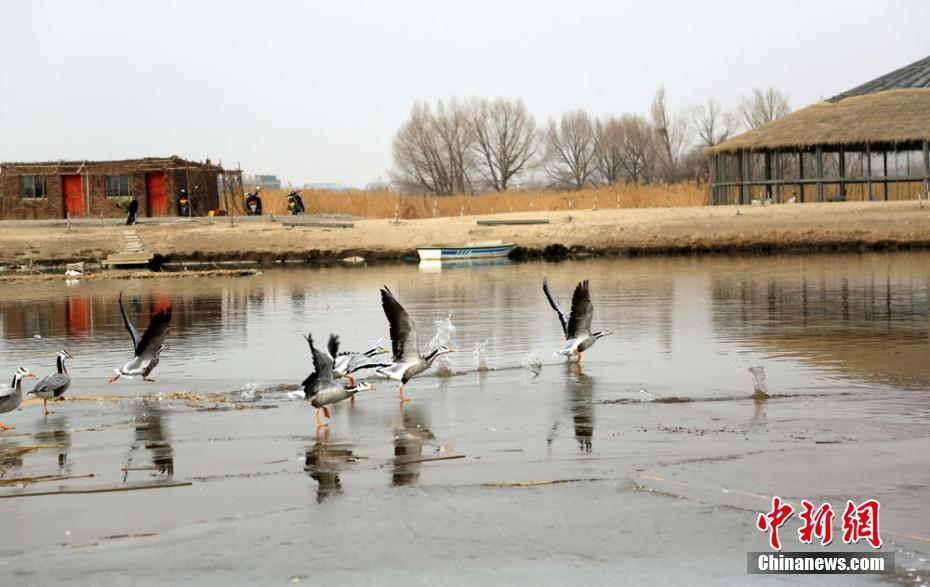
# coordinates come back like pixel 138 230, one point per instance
pixel 563 317
pixel 332 346
pixel 404 342
pixel 154 336
pixel 322 375
pixel 132 329
pixel 6 390
pixel 50 384
pixel 579 323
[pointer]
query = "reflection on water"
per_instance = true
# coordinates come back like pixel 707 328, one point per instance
pixel 683 325
pixel 151 436
pixel 54 432
pixel 323 461
pixel 866 317
pixel 579 392
pixel 409 439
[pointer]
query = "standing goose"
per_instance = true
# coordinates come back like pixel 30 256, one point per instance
pixel 320 387
pixel 577 326
pixel 12 395
pixel 147 348
pixel 54 386
pixel 407 361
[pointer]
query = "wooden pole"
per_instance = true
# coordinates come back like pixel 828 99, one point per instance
pixel 868 170
pixel 885 172
pixel 926 169
pixel 818 167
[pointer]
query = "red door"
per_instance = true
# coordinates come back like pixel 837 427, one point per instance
pixel 155 187
pixel 72 188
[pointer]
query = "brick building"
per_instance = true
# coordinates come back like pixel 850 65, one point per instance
pixel 62 189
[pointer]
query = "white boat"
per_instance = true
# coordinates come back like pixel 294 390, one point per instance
pixel 467 251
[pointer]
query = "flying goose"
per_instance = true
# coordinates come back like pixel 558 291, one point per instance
pixel 577 326
pixel 54 386
pixel 407 361
pixel 12 395
pixel 147 348
pixel 345 363
pixel 320 387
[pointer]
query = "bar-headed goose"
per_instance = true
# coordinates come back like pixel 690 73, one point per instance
pixel 577 326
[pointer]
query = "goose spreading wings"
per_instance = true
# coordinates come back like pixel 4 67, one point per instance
pixel 406 357
pixel 576 326
pixel 147 348
pixel 320 387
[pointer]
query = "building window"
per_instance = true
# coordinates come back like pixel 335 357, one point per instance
pixel 119 185
pixel 32 186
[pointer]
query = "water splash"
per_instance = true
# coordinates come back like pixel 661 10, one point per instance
pixel 444 331
pixel 760 388
pixel 533 363
pixel 481 355
pixel 248 393
pixel 645 395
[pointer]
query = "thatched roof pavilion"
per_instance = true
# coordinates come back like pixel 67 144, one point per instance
pixel 870 143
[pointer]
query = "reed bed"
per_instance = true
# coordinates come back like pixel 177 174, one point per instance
pixel 386 204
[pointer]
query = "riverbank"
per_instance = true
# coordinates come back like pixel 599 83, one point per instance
pixel 808 227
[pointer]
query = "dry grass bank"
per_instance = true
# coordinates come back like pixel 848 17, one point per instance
pixel 385 204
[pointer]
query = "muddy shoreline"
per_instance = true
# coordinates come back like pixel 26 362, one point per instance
pixel 788 229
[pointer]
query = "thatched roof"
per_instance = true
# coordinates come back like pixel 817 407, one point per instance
pixel 915 75
pixel 895 116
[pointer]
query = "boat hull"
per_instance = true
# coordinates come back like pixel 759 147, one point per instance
pixel 465 252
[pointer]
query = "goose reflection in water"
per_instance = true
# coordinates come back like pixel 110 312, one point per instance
pixel 409 439
pixel 579 393
pixel 56 434
pixel 323 461
pixel 152 435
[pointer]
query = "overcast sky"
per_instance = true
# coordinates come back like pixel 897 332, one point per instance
pixel 314 91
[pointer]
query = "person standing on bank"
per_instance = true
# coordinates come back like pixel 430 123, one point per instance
pixel 133 210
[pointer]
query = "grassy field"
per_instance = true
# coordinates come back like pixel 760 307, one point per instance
pixel 386 204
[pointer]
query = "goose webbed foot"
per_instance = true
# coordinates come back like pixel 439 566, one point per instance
pixel 149 379
pixel 60 398
pixel 6 427
pixel 112 379
pixel 320 423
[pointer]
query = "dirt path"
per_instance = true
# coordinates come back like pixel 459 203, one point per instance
pixel 639 231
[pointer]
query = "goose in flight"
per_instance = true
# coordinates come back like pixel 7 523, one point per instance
pixel 346 363
pixel 147 348
pixel 12 395
pixel 320 387
pixel 407 360
pixel 54 386
pixel 577 326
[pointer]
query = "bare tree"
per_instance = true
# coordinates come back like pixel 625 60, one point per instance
pixel 571 145
pixel 672 133
pixel 711 124
pixel 611 143
pixel 505 139
pixel 431 151
pixel 763 106
pixel 639 148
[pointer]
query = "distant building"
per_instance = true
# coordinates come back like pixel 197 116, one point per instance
pixel 262 180
pixel 380 186
pixel 869 143
pixel 62 189
pixel 327 187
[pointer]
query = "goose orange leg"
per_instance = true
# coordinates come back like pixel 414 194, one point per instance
pixel 401 395
pixel 6 427
pixel 319 423
pixel 45 405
